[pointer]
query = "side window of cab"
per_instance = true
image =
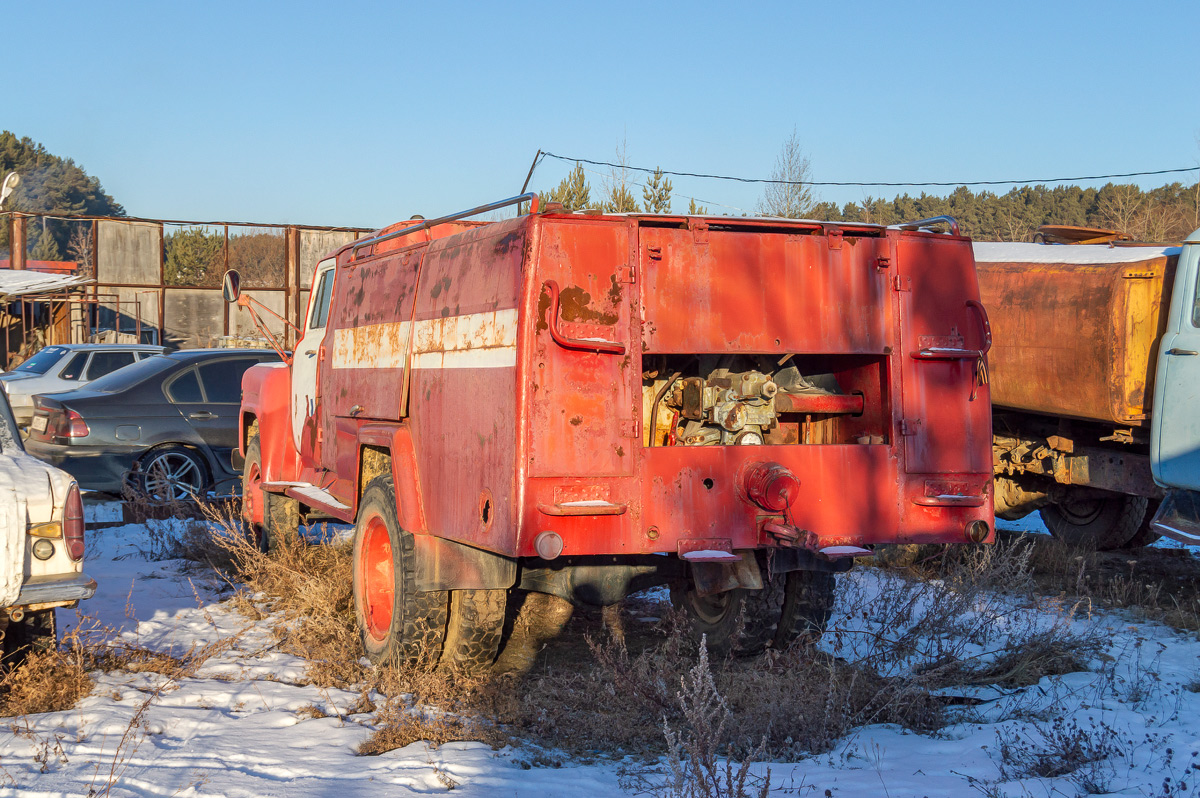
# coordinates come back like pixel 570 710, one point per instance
pixel 1196 299
pixel 320 306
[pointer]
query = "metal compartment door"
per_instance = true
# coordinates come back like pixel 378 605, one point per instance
pixel 584 371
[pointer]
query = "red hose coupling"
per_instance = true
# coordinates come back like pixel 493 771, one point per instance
pixel 771 486
pixel 791 536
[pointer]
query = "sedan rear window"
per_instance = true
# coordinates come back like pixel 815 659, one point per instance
pixel 185 388
pixel 42 361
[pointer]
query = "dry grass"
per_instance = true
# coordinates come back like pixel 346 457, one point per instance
pixel 55 679
pixel 1157 584
pixel 398 725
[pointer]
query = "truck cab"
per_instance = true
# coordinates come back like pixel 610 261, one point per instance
pixel 1175 437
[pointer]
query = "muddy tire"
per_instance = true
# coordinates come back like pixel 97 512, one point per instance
pixel 473 630
pixel 1102 523
pixel 37 631
pixel 398 624
pixel 807 605
pixel 740 622
pixel 531 620
pixel 1144 535
pixel 281 514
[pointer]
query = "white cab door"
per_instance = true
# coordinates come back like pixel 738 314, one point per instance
pixel 1175 439
pixel 309 351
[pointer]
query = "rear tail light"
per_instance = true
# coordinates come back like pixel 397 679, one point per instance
pixel 73 524
pixel 60 422
pixel 76 426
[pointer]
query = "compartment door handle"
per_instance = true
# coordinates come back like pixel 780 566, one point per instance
pixel 584 344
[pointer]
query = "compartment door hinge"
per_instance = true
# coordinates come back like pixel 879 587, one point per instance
pixel 902 282
pixel 910 426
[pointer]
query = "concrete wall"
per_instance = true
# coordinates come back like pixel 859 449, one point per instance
pixel 129 253
pixel 195 317
pixel 316 244
pixel 241 323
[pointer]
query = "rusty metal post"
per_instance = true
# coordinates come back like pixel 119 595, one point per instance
pixel 291 283
pixel 162 290
pixel 18 240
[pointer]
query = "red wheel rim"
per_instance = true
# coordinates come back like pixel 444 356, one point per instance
pixel 377 577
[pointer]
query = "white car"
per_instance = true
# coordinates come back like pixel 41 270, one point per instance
pixel 64 367
pixel 41 544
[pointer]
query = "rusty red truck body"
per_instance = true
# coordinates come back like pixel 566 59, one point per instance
pixel 582 404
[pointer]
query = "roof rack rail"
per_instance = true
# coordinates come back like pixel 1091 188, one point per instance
pixel 920 224
pixel 425 224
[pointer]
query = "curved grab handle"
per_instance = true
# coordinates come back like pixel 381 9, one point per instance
pixel 977 306
pixel 585 344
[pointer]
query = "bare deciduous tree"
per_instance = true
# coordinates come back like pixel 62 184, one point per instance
pixel 79 249
pixel 791 198
pixel 617 187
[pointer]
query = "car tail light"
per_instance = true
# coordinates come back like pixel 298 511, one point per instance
pixel 76 426
pixel 60 423
pixel 73 524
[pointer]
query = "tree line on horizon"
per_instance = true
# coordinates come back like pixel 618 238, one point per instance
pixel 1167 213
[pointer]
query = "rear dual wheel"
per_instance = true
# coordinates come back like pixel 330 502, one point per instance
pixel 1096 522
pixel 453 630
pixel 744 622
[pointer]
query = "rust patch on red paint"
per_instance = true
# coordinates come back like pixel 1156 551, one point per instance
pixel 575 305
pixel 542 308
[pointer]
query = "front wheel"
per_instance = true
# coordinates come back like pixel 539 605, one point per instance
pixel 280 514
pixel 397 624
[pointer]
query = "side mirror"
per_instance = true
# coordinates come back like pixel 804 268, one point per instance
pixel 231 286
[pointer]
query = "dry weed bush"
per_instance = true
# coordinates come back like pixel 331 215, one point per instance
pixel 55 679
pixel 308 585
pixel 781 704
pixel 967 616
pixel 1154 583
pixel 398 725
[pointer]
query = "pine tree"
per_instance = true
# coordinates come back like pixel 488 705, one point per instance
pixel 50 184
pixel 573 191
pixel 194 257
pixel 656 195
pixel 620 200
pixel 696 210
pixel 46 248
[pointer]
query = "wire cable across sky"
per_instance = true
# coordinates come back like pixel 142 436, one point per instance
pixel 852 183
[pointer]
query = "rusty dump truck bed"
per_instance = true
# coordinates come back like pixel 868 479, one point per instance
pixel 1076 327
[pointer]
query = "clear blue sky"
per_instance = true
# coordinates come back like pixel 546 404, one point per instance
pixel 365 113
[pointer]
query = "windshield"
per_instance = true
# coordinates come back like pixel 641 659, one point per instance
pixel 42 361
pixel 131 375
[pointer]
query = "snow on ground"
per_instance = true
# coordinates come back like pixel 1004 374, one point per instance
pixel 236 727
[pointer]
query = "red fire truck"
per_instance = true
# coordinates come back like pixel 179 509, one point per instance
pixel 583 405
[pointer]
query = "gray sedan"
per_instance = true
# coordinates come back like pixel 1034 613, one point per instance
pixel 165 426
